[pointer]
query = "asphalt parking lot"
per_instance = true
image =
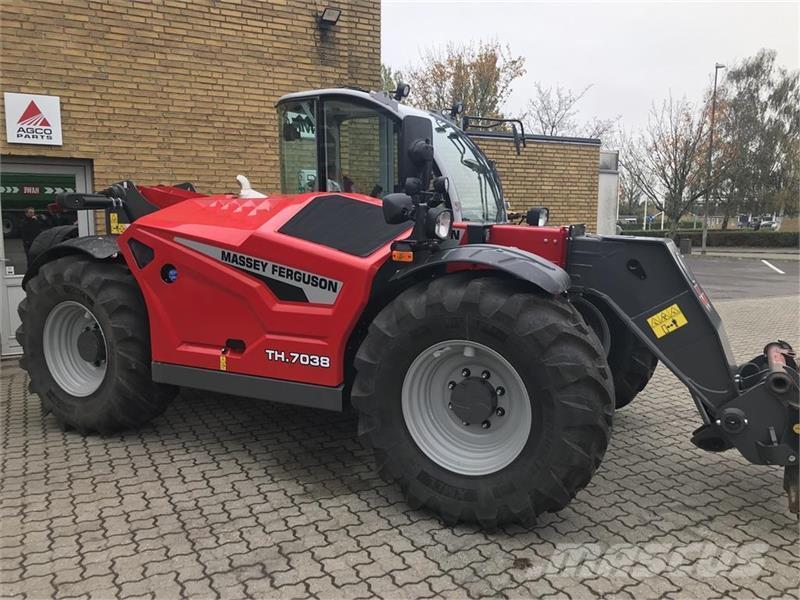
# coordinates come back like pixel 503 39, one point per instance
pixel 728 278
pixel 227 497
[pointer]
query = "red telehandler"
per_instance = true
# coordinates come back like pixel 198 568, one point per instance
pixel 485 359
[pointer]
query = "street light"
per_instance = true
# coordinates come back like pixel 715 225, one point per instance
pixel 717 67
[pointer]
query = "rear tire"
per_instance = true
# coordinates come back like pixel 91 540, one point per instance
pixel 632 363
pixel 85 336
pixel 49 238
pixel 546 345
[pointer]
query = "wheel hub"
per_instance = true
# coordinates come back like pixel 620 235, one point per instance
pixel 473 400
pixel 91 346
pixel 75 349
pixel 466 407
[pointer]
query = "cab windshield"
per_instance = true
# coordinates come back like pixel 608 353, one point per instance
pixel 468 172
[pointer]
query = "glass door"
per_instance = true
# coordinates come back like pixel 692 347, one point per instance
pixel 28 190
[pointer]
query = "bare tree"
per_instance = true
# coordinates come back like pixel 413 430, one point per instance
pixel 630 194
pixel 666 159
pixel 478 74
pixel 554 110
pixel 600 129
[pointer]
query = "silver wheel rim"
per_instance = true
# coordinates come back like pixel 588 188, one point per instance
pixel 438 431
pixel 62 328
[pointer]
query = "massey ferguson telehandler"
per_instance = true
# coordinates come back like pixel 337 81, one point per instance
pixel 484 358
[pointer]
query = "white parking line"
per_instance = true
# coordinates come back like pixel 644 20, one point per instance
pixel 773 267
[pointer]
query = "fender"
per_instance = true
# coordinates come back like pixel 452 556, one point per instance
pixel 99 247
pixel 539 271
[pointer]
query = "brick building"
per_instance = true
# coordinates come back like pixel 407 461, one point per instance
pixel 179 90
pixel 559 173
pixel 165 91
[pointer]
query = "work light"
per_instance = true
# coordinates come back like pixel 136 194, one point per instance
pixel 439 222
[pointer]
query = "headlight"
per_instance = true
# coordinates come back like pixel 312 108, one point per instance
pixel 439 222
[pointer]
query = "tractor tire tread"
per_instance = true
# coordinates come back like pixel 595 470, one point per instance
pixel 580 381
pixel 130 398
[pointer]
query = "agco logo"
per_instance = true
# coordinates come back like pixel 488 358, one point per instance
pixel 33 125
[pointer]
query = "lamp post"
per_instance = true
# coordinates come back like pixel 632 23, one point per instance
pixel 717 67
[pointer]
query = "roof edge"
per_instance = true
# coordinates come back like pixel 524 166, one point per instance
pixel 546 139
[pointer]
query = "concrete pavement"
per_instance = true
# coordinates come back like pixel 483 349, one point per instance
pixel 232 498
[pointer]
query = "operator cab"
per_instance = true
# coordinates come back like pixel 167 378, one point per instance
pixel 347 140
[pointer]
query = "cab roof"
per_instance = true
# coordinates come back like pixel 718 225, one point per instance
pixel 380 99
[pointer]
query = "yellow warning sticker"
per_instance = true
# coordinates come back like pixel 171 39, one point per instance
pixel 116 227
pixel 668 320
pixel 223 363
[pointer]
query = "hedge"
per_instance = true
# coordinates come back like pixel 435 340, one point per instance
pixel 729 237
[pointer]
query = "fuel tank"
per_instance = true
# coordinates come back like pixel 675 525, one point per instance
pixel 270 287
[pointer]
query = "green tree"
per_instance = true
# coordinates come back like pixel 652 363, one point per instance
pixel 478 74
pixel 389 78
pixel 759 133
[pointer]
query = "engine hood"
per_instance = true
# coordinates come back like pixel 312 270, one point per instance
pixel 351 223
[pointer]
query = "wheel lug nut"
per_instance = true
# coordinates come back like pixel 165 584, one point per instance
pixel 465 424
pixel 500 391
pixel 500 411
pixel 451 385
pixel 465 372
pixel 486 375
pixel 450 405
pixel 486 424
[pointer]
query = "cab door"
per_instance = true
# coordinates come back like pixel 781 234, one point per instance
pixel 338 144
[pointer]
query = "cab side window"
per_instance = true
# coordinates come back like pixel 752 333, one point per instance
pixel 360 149
pixel 298 147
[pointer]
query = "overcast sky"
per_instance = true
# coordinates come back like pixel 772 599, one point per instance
pixel 633 53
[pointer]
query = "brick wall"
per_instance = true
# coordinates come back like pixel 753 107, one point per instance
pixel 562 176
pixel 162 91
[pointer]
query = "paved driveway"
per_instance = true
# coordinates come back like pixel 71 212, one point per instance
pixel 233 498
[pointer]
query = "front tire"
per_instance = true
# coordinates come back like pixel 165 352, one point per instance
pixel 632 363
pixel 557 395
pixel 86 346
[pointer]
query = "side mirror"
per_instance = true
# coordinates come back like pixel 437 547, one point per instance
pixel 537 217
pixel 421 152
pixel 415 158
pixel 397 208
